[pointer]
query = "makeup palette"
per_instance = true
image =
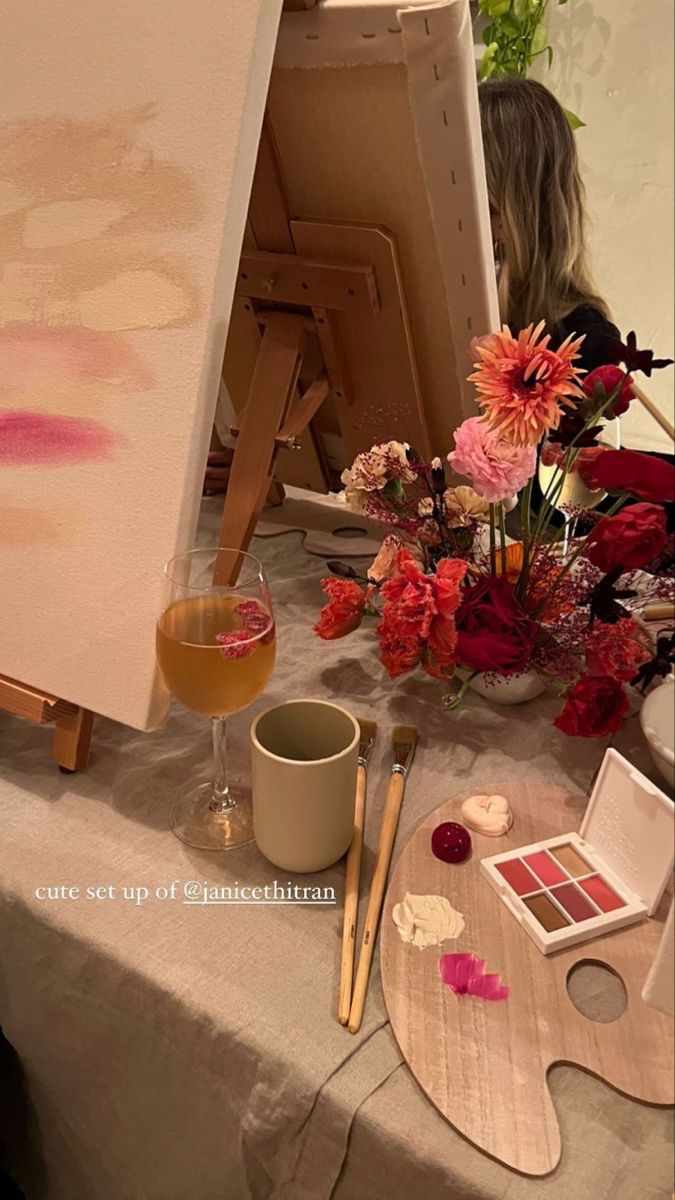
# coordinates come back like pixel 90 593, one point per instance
pixel 570 888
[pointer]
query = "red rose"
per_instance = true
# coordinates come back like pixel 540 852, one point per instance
pixel 594 707
pixel 629 539
pixel 494 633
pixel 629 471
pixel 345 612
pixel 608 378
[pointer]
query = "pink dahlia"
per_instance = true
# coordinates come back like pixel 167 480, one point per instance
pixel 497 469
pixel 522 383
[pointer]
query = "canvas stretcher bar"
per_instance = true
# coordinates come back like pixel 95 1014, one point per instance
pixel 392 90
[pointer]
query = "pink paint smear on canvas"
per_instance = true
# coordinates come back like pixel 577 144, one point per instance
pixel 34 356
pixel 466 975
pixel 37 439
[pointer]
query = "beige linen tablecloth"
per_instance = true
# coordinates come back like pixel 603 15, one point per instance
pixel 186 1053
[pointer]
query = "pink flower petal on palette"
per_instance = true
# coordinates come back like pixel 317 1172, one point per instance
pixel 465 975
pixel 235 645
pixel 38 439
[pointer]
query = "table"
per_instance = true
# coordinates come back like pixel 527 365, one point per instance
pixel 173 1052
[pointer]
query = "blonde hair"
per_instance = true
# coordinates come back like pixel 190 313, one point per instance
pixel 535 187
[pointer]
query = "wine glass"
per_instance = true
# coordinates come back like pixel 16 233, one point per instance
pixel 572 496
pixel 215 649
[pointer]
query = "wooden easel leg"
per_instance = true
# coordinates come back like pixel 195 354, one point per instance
pixel 72 739
pixel 276 494
pixel 272 388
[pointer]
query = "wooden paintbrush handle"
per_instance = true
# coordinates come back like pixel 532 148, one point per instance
pixel 392 809
pixel 654 412
pixel 659 612
pixel 352 878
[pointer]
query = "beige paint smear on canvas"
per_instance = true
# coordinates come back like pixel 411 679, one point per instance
pixel 23 526
pixel 72 191
pixel 62 160
pixel 149 293
pixel 67 221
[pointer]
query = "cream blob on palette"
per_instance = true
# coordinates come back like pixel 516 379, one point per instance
pixel 570 888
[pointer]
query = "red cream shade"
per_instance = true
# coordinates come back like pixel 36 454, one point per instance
pixel 517 875
pixel 545 867
pixel 574 902
pixel 601 893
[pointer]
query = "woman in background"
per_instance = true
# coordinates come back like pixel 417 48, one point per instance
pixel 538 219
pixel 539 224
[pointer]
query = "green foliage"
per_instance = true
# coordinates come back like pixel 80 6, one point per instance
pixel 515 35
pixel 574 121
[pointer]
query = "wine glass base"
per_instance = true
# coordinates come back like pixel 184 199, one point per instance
pixel 194 822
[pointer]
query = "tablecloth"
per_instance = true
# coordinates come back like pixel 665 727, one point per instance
pixel 173 1052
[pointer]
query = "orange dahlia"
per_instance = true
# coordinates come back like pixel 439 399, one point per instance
pixel 522 383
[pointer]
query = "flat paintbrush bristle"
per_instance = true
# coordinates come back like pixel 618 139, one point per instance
pixel 403 743
pixel 367 739
pixel 368 729
pixel 404 733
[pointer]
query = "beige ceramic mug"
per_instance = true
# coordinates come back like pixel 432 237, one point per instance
pixel 304 759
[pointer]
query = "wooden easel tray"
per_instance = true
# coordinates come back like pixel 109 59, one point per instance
pixel 484 1064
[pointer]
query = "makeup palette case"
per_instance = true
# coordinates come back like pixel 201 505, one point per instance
pixel 570 888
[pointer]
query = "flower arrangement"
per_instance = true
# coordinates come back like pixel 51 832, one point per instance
pixel 450 590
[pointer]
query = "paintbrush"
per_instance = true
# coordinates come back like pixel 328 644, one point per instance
pixel 353 872
pixel 404 741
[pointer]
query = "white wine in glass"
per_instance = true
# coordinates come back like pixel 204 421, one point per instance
pixel 570 495
pixel 216 647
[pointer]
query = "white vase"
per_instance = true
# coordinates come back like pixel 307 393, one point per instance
pixel 508 689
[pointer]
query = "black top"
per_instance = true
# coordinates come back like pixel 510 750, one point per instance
pixel 598 330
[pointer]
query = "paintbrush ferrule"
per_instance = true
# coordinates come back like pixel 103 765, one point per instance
pixel 403 745
pixel 368 733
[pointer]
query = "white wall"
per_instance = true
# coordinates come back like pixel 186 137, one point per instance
pixel 614 67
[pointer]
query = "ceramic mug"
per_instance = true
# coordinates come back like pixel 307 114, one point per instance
pixel 304 759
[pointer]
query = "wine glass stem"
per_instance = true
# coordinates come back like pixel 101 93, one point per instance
pixel 221 800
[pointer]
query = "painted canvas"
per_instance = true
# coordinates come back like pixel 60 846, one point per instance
pixel 127 146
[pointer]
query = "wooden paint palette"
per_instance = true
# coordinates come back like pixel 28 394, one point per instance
pixel 331 530
pixel 484 1064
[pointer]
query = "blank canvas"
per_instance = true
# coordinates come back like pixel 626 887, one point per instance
pixel 127 147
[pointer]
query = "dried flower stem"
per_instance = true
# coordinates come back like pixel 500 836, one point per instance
pixel 557 483
pixel 525 513
pixel 502 534
pixel 571 561
pixel 493 541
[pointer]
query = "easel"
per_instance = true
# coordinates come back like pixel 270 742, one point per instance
pixel 318 332
pixel 314 297
pixel 72 724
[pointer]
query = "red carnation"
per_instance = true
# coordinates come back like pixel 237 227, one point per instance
pixel 618 649
pixel 629 539
pixel 345 612
pixel 605 380
pixel 417 623
pixel 595 707
pixel 399 653
pixel 494 633
pixel 629 471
